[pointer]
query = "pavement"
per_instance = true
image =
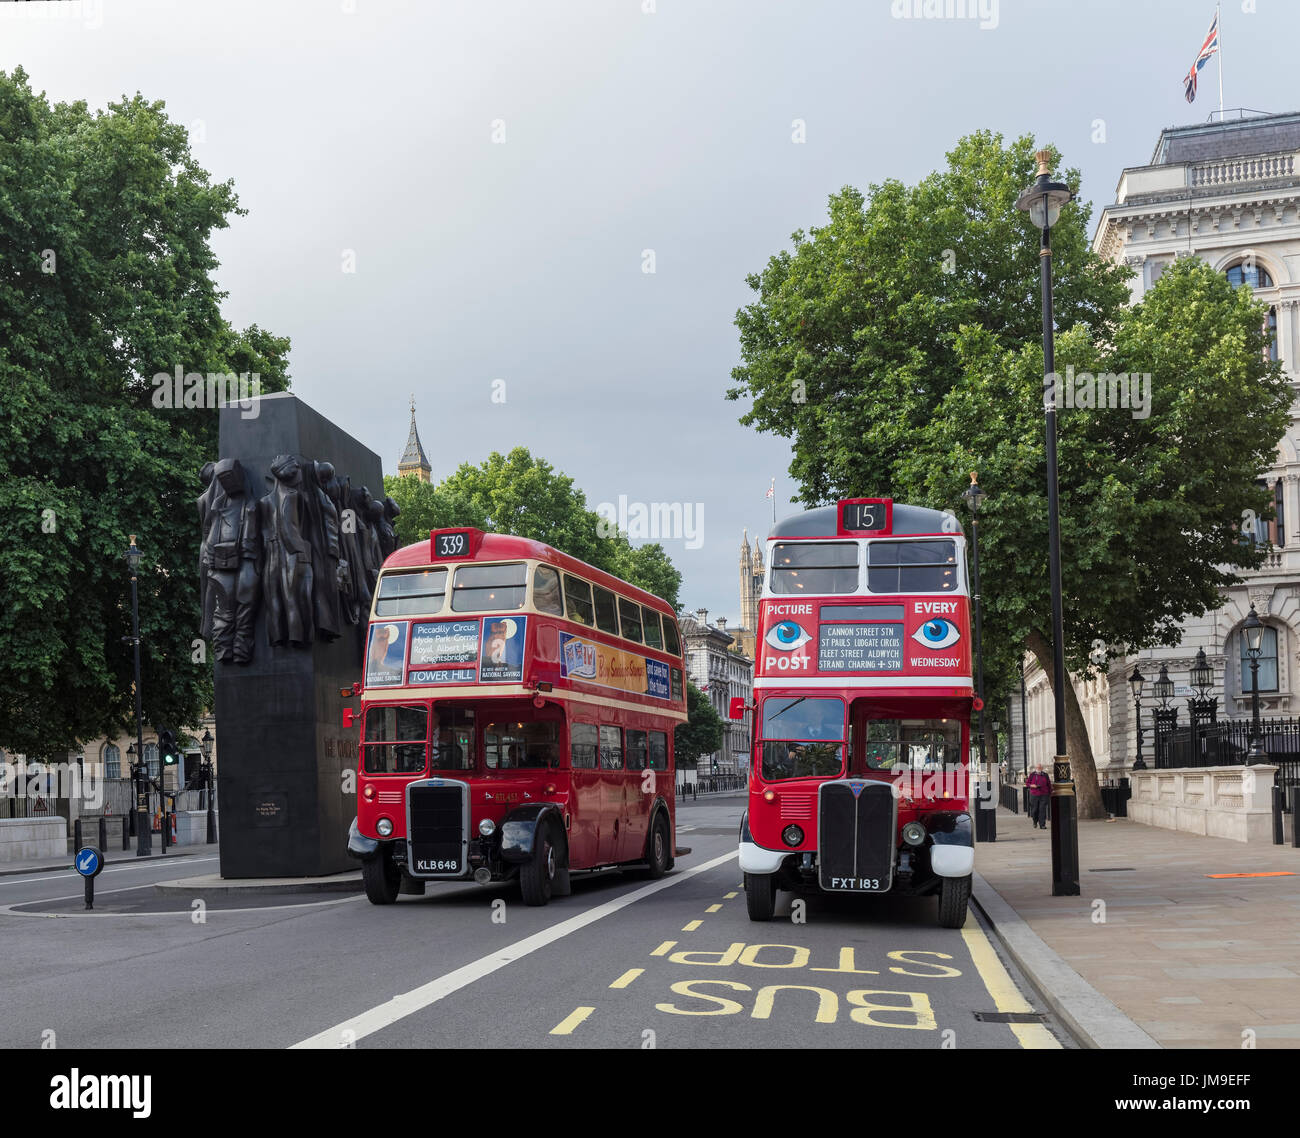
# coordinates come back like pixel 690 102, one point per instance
pixel 112 856
pixel 1192 961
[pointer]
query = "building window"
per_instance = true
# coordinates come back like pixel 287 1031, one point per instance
pixel 1249 273
pixel 1267 663
pixel 151 759
pixel 1280 521
pixel 112 761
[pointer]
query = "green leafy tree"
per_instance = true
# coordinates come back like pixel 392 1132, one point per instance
pixel 526 496
pixel 701 734
pixel 107 279
pixel 914 324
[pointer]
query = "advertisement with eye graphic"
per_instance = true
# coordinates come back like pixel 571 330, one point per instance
pixel 914 637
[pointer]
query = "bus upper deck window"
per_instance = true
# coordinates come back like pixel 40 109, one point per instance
pixel 578 595
pixel 606 612
pixel 912 566
pixel 672 643
pixel 814 568
pixel 488 588
pixel 650 627
pixel 630 618
pixel 546 590
pixel 411 594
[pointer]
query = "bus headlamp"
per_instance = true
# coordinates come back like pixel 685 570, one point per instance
pixel 487 827
pixel 792 835
pixel 384 827
pixel 914 834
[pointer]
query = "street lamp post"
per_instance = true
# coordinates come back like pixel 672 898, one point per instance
pixel 143 828
pixel 1202 706
pixel 209 784
pixel 1164 716
pixel 1135 682
pixel 1043 201
pixel 974 495
pixel 1254 631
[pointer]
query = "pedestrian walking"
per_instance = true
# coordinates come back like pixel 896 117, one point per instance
pixel 1040 790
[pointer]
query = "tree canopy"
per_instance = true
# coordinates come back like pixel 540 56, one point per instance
pixel 899 347
pixel 107 280
pixel 702 732
pixel 526 496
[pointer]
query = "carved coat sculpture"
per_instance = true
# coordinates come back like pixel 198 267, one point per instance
pixel 287 574
pixel 230 551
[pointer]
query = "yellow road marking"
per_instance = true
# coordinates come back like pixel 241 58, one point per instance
pixel 566 1026
pixel 627 977
pixel 729 896
pixel 713 909
pixel 1006 996
pixel 691 926
pixel 665 948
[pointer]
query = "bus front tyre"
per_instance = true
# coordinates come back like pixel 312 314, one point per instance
pixel 381 878
pixel 537 874
pixel 659 849
pixel 760 895
pixel 954 897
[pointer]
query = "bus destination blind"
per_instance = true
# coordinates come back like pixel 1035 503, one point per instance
pixel 860 648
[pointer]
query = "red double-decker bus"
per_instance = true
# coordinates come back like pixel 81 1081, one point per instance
pixel 859 776
pixel 517 720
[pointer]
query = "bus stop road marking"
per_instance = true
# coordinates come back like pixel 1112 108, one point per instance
pixel 566 1026
pixel 665 948
pixel 408 1003
pixel 713 909
pixel 691 926
pixel 624 980
pixel 729 896
pixel 1006 996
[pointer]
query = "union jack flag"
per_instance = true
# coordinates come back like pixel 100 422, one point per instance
pixel 771 490
pixel 1208 48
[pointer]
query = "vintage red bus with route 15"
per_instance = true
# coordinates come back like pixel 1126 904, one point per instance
pixel 859 777
pixel 517 720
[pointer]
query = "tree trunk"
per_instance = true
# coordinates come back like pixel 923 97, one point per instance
pixel 1083 766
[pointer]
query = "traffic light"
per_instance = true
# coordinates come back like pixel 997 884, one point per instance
pixel 168 748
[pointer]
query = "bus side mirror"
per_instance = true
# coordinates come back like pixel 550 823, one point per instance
pixel 347 718
pixel 737 708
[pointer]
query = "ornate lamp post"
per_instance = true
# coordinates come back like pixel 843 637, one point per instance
pixel 1135 682
pixel 1043 201
pixel 209 784
pixel 1166 717
pixel 1202 706
pixel 1253 629
pixel 143 828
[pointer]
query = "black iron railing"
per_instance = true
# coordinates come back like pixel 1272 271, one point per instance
pixel 1227 743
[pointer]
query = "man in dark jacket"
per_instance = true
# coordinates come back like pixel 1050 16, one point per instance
pixel 1040 791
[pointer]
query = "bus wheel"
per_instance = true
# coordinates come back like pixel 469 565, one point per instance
pixel 760 895
pixel 954 895
pixel 382 878
pixel 537 874
pixel 658 848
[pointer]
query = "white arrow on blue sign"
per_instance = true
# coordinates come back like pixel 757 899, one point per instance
pixel 87 861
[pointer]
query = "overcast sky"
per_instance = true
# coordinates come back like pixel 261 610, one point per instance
pixel 368 125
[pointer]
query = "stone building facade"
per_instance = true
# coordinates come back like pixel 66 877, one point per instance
pixel 716 666
pixel 1229 193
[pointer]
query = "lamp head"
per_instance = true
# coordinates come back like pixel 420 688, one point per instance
pixel 1135 682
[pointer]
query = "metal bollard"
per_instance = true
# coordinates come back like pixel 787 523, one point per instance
pixel 1295 819
pixel 76 835
pixel 1278 838
pixel 126 834
pixel 103 832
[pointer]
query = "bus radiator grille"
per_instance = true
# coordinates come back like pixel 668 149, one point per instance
pixel 856 836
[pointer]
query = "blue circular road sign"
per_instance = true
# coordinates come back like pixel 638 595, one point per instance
pixel 88 862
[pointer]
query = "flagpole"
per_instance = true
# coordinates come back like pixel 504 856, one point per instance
pixel 1218 23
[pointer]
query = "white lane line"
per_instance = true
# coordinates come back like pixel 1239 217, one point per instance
pixel 408 1003
pixel 151 863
